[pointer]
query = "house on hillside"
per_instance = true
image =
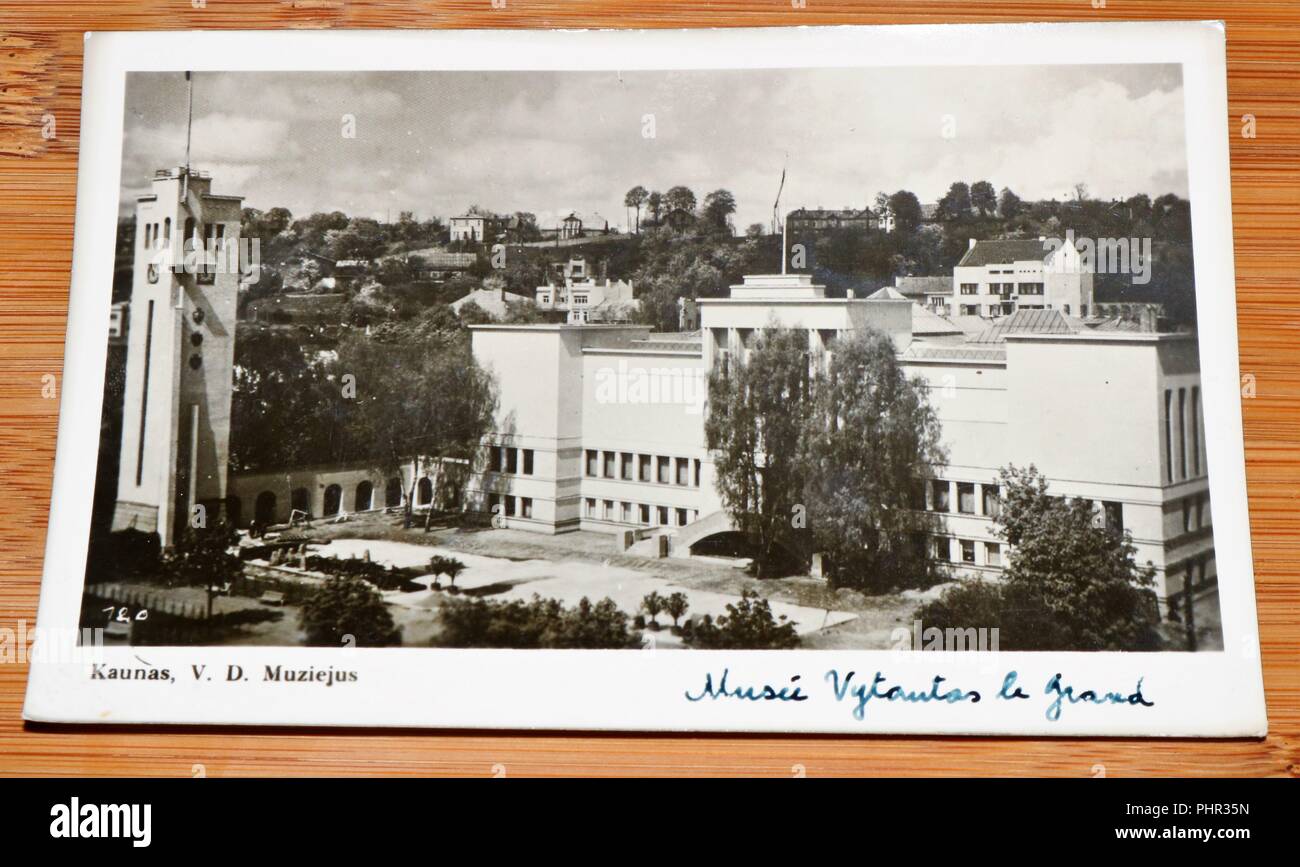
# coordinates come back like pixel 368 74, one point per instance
pixel 577 225
pixel 1001 277
pixel 585 299
pixel 815 220
pixel 477 228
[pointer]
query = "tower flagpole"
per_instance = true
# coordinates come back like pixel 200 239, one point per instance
pixel 776 215
pixel 189 127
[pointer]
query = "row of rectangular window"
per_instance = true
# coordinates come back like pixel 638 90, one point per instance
pixel 633 467
pixel 510 505
pixel 1108 513
pixel 1003 288
pixel 940 494
pixel 504 459
pixel 644 514
pixel 965 552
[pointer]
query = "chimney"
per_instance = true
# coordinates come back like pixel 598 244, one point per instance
pixel 972 244
pixel 850 295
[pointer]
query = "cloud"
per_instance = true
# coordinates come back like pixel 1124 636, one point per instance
pixel 547 142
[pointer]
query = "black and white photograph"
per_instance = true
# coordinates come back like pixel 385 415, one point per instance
pixel 662 359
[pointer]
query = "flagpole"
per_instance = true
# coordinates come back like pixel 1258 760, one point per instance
pixel 189 125
pixel 776 216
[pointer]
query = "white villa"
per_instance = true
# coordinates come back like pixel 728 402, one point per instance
pixel 585 299
pixel 997 278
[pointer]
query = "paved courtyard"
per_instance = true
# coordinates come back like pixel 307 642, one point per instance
pixel 565 580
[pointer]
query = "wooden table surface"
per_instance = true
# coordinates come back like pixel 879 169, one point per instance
pixel 40 75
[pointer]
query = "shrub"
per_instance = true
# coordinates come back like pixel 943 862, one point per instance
pixel 747 625
pixel 348 606
pixel 541 623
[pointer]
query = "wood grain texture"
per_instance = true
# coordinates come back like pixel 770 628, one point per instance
pixel 40 73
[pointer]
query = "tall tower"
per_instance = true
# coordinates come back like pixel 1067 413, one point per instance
pixel 180 356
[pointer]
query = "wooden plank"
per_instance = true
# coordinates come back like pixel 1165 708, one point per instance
pixel 40 73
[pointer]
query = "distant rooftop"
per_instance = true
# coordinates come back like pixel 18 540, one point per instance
pixel 919 286
pixel 1029 322
pixel 1004 252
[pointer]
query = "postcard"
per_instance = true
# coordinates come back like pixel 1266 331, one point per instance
pixel 859 380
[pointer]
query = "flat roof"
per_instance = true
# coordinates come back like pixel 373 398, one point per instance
pixel 1105 337
pixel 556 326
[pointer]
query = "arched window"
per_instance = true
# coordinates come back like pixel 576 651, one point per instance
pixel 300 500
pixel 264 508
pixel 167 230
pixel 425 495
pixel 333 499
pixel 393 493
pixel 365 494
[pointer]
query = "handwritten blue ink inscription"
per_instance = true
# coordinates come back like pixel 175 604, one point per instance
pixel 863 694
pixel 766 692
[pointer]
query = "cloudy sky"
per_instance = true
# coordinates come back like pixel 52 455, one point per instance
pixel 549 142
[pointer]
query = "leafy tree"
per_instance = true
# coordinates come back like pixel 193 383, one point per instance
pixel 680 198
pixel 1139 207
pixel 871 436
pixel 202 558
pixel 983 198
pixel 747 625
pixel 754 429
pixel 276 389
pixel 347 611
pixel 526 229
pixel 906 209
pixel 718 207
pixel 956 202
pixel 415 400
pixel 655 204
pixel 635 198
pixel 653 603
pixel 1071 583
pixel 449 566
pixel 676 606
pixel 1009 205
pixel 363 238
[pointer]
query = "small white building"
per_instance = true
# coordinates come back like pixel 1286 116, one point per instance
pixel 476 228
pixel 585 299
pixel 997 278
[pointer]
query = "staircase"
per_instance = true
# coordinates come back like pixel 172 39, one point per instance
pixel 682 538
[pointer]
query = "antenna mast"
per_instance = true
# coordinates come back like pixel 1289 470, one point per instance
pixel 776 215
pixel 189 125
